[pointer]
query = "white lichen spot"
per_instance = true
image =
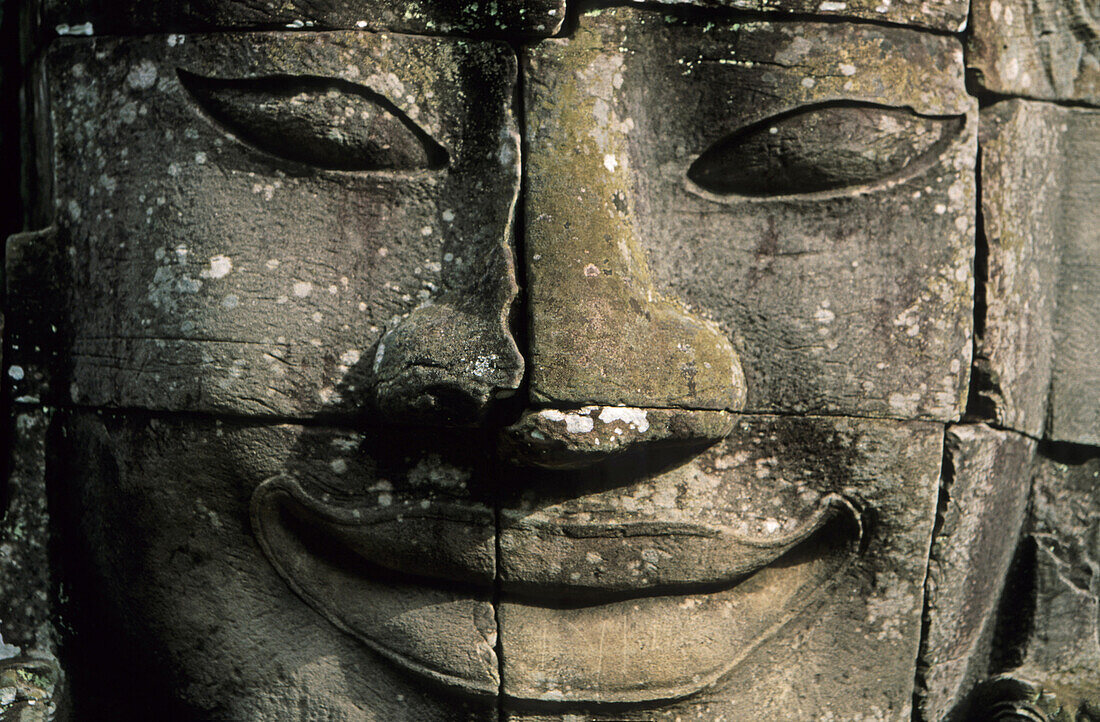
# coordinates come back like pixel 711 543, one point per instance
pixel 220 266
pixel 610 162
pixel 350 357
pixel 200 157
pixel 830 6
pixel 591 270
pixel 231 301
pixel 338 465
pixel 82 29
pixel 808 82
pixel 272 264
pixel 637 419
pixel 574 423
pixel 940 209
pixel 302 288
pixel 448 215
pixel 904 404
pixel 15 373
pixel 142 76
pixel 847 69
pixel 824 315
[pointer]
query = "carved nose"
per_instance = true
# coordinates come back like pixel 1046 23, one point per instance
pixel 600 332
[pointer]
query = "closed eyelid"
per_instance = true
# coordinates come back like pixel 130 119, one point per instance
pixel 324 122
pixel 828 146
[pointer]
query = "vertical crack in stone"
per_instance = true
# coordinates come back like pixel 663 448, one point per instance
pixel 520 335
pixel 980 405
pixel 947 478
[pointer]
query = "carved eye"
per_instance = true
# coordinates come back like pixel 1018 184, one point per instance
pixel 827 147
pixel 323 122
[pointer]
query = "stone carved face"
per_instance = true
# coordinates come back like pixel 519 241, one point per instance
pixel 640 417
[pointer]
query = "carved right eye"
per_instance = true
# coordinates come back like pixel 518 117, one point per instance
pixel 821 148
pixel 323 122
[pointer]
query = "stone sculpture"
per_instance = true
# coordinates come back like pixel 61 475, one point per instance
pixel 529 361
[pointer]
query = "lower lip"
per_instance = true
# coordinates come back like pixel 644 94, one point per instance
pixel 556 648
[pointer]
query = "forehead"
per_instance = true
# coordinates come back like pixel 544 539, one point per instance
pixel 479 17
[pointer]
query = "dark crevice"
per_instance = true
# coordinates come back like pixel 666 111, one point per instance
pixel 947 480
pixel 1016 612
pixel 987 97
pixel 1068 453
pixel 356 422
pixel 980 404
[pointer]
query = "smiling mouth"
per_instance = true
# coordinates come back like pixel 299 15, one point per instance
pixel 568 609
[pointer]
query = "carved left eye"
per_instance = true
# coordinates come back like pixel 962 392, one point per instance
pixel 323 122
pixel 821 148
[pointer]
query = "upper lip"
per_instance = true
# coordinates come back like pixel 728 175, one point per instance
pixel 571 559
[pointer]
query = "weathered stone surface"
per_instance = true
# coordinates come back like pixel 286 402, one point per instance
pixel 30 679
pixel 1022 165
pixel 986 488
pixel 1037 353
pixel 641 258
pixel 947 15
pixel 449 17
pixel 169 558
pixel 239 242
pixel 1075 378
pixel 1061 642
pixel 1037 48
pixel 649 586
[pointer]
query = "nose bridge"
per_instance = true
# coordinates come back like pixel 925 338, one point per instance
pixel 600 332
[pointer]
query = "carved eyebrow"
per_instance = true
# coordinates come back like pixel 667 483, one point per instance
pixel 826 146
pixel 324 122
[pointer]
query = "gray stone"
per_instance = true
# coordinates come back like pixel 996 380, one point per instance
pixel 723 631
pixel 852 299
pixel 1060 637
pixel 450 17
pixel 982 511
pixel 170 555
pixel 1037 362
pixel 1021 201
pixel 1075 378
pixel 947 15
pixel 1046 49
pixel 216 187
pixel 32 687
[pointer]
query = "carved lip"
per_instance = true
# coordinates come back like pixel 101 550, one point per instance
pixel 539 558
pixel 415 583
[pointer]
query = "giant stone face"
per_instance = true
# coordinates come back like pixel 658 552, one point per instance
pixel 502 368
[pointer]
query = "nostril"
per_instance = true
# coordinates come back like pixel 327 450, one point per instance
pixel 414 398
pixel 444 366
